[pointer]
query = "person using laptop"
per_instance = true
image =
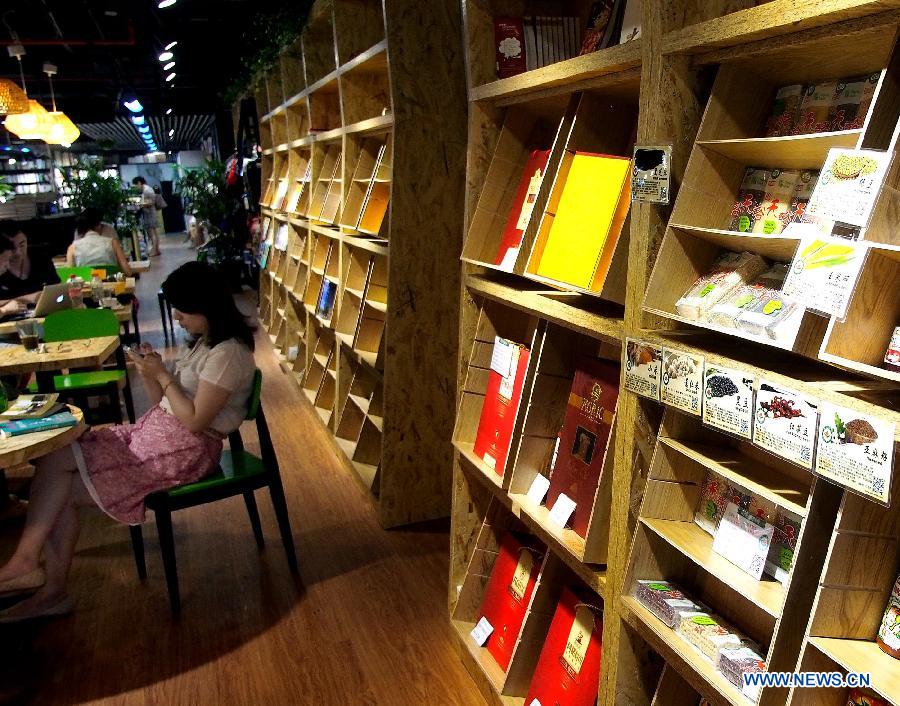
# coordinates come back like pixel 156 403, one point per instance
pixel 9 304
pixel 30 269
pixel 95 249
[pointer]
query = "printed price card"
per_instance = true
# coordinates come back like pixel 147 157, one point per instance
pixel 744 540
pixel 856 451
pixel 643 368
pixel 481 632
pixel 784 423
pixel 650 174
pixel 728 400
pixel 823 273
pixel 682 380
pixel 562 510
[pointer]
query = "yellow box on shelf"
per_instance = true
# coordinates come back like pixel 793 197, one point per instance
pixel 584 217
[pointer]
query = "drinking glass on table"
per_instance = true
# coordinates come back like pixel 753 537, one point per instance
pixel 28 334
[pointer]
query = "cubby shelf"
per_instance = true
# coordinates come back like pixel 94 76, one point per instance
pixel 791 152
pixel 864 657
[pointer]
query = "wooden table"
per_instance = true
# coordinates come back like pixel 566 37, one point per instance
pixel 16 450
pixel 80 353
pixel 123 316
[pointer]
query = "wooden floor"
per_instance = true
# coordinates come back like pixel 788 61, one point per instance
pixel 366 623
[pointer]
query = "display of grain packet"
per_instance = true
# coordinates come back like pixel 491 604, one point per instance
pixel 734 662
pixel 780 187
pixel 747 207
pixel 728 271
pixel 781 550
pixel 784 110
pixel 745 297
pixel 814 108
pixel 715 495
pixel 664 600
pixel 709 633
pixel 773 315
pixel 802 193
pixel 852 99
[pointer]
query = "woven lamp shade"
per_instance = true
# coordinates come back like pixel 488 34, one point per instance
pixel 61 130
pixel 32 125
pixel 13 100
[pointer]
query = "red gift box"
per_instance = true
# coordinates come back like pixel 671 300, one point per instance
pixel 508 594
pixel 568 670
pixel 522 206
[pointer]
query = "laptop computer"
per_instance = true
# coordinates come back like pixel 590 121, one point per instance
pixel 54 297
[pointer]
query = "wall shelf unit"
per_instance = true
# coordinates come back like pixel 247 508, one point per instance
pixel 353 128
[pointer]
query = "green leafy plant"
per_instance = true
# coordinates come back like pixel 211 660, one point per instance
pixel 92 185
pixel 7 192
pixel 204 195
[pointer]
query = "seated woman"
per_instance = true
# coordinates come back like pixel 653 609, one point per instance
pixel 29 271
pixel 92 248
pixel 197 401
pixel 9 304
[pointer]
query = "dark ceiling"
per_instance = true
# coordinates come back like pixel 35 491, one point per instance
pixel 106 49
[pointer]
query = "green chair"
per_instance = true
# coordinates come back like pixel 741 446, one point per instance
pixel 72 324
pixel 85 271
pixel 239 473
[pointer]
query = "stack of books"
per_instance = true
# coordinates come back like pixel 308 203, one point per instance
pixel 32 413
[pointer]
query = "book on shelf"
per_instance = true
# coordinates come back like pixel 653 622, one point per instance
pixel 509 363
pixel 31 406
pixel 509 43
pixel 583 220
pixel 534 41
pixel 280 193
pixel 507 594
pixel 28 426
pixel 568 669
pixel 325 303
pixel 601 26
pixel 522 209
pixel 584 439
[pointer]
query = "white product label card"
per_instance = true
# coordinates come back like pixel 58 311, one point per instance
pixel 824 272
pixel 682 380
pixel 509 260
pixel 502 357
pixel 856 451
pixel 643 368
pixel 785 423
pixel 535 702
pixel 650 174
pixel 538 489
pixel 744 540
pixel 728 400
pixel 562 510
pixel 481 632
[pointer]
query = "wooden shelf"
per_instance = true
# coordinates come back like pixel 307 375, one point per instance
pixel 769 483
pixel 604 67
pixel 793 152
pixel 696 544
pixel 485 662
pixel 864 656
pixel 681 653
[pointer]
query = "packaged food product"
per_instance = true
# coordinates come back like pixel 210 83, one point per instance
pixel 892 354
pixel 772 315
pixel 664 600
pixel 744 297
pixel 717 492
pixel 889 631
pixel 737 661
pixel 802 193
pixel 781 550
pixel 814 108
pixel 747 208
pixel 784 110
pixel 728 271
pixel 780 188
pixel 852 98
pixel 708 633
pixel 864 697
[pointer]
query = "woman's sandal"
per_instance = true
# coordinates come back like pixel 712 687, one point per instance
pixel 63 607
pixel 26 583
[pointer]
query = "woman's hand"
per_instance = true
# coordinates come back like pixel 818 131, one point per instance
pixel 13 306
pixel 148 362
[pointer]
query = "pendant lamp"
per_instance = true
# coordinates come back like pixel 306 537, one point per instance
pixel 31 125
pixel 13 100
pixel 60 130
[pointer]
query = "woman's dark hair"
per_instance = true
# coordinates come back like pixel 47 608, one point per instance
pixel 6 244
pixel 88 219
pixel 198 288
pixel 10 229
pixel 139 180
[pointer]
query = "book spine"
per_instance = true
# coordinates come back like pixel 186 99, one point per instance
pixel 530 44
pixel 27 426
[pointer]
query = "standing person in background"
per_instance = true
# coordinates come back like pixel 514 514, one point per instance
pixel 148 213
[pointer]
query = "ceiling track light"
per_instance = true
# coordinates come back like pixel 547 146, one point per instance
pixel 171 76
pixel 169 46
pixel 163 4
pixel 169 111
pixel 133 106
pixel 166 56
pixel 170 65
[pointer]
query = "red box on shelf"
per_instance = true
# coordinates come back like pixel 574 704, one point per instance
pixel 568 670
pixel 509 44
pixel 522 207
pixel 508 594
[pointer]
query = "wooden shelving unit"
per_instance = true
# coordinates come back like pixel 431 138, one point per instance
pixel 701 78
pixel 355 132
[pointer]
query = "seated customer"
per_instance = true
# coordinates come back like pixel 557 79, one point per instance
pixel 92 248
pixel 197 401
pixel 30 269
pixel 8 303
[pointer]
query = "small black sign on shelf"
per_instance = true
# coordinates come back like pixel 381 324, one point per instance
pixel 650 173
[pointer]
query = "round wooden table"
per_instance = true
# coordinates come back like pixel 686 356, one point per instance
pixel 16 450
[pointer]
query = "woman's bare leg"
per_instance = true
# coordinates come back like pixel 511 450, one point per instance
pixel 51 493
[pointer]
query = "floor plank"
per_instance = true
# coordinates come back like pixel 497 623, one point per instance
pixel 366 622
